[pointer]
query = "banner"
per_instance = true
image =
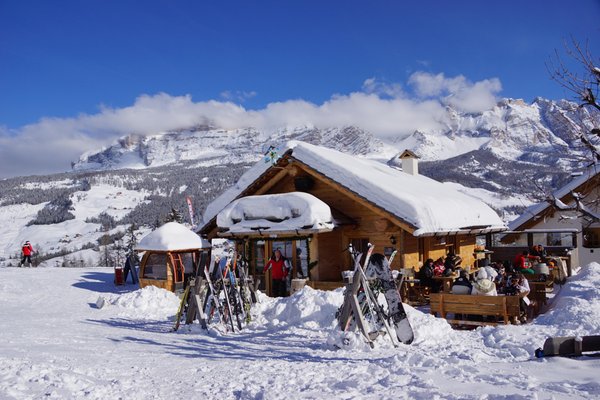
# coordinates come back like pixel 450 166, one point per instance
pixel 190 209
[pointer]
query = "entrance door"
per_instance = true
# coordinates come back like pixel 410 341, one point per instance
pixel 295 251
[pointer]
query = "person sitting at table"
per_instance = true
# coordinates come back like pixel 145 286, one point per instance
pixel 438 267
pixel 452 262
pixel 522 263
pixel 486 273
pixel 539 252
pixel 517 285
pixel 462 285
pixel 426 274
pixel 483 285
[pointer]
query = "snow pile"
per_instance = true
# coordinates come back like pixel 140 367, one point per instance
pixel 148 303
pixel 172 237
pixel 577 309
pixel 306 309
pixel 276 212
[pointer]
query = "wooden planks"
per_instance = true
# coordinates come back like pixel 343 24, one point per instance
pixel 504 307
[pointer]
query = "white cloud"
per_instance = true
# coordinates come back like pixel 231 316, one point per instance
pixel 457 92
pixel 381 108
pixel 382 89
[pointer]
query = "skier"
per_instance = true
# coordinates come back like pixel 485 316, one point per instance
pixel 278 266
pixel 27 250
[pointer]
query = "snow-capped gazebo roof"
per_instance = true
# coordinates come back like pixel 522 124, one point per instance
pixel 275 214
pixel 428 206
pixel 172 236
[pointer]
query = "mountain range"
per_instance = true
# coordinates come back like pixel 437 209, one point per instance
pixel 509 156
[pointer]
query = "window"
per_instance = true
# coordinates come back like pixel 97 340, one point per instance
pixel 301 258
pixel 156 266
pixel 258 257
pixel 591 238
pixel 560 239
pixel 188 262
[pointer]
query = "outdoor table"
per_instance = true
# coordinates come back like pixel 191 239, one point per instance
pixel 446 282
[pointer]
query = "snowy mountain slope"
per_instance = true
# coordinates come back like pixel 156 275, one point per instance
pixel 210 146
pixel 507 140
pixel 97 204
pixel 58 344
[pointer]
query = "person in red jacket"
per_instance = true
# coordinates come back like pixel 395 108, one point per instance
pixel 278 266
pixel 522 263
pixel 27 252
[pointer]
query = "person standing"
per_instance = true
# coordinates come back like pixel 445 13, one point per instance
pixel 279 271
pixel 27 251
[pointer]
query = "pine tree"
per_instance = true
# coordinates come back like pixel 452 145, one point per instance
pixel 174 216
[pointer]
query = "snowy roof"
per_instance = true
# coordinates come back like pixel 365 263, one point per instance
pixel 275 213
pixel 536 209
pixel 427 205
pixel 172 237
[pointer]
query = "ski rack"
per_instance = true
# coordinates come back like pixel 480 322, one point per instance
pixel 219 297
pixel 351 314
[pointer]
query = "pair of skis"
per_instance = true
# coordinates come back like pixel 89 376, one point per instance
pixel 361 301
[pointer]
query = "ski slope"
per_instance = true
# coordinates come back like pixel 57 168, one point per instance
pixel 57 344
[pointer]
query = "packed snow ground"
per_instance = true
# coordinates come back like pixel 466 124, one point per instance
pixel 56 343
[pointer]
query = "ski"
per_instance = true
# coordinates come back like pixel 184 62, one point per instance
pixel 380 267
pixel 392 257
pixel 179 314
pixel 212 296
pixel 228 311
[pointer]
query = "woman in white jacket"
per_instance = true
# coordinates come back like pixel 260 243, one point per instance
pixel 484 287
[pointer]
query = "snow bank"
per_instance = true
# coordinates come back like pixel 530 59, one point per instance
pixel 306 309
pixel 275 212
pixel 149 303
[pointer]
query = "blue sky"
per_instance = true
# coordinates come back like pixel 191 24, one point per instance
pixel 62 58
pixel 66 64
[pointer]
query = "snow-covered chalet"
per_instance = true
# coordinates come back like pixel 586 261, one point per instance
pixel 562 226
pixel 312 202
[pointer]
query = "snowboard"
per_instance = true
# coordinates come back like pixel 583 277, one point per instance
pixel 380 269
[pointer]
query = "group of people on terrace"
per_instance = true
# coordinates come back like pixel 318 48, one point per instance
pixel 491 279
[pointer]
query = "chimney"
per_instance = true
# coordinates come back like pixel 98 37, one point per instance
pixel 410 162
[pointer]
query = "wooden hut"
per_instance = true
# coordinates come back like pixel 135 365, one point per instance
pixel 369 201
pixel 171 253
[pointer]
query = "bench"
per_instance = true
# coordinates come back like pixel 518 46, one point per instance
pixel 501 307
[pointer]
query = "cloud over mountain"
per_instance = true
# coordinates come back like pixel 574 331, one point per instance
pixel 383 108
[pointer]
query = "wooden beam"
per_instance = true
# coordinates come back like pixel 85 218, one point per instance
pixel 272 182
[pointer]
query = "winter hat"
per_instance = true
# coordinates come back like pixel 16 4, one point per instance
pixel 484 285
pixel 487 273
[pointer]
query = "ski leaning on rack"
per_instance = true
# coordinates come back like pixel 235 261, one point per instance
pixel 182 306
pixel 361 307
pixel 212 303
pixel 380 268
